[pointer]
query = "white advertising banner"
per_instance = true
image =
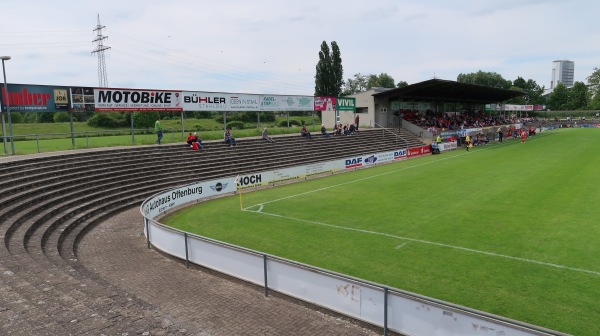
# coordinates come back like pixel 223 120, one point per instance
pixel 286 103
pixel 216 101
pixel 136 100
pixel 444 146
pixel 172 198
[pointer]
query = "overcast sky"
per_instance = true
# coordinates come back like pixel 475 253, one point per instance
pixel 272 46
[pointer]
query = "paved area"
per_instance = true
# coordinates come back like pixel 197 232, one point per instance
pixel 203 302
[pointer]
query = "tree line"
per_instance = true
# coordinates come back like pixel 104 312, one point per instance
pixel 582 96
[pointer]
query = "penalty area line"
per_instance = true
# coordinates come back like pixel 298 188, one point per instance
pixel 460 248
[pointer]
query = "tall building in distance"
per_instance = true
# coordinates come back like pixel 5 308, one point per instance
pixel 563 71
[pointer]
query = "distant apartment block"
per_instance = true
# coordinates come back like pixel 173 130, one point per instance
pixel 563 71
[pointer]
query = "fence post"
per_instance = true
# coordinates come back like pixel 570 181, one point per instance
pixel 265 270
pixel 147 232
pixel 187 259
pixel 87 145
pixel 173 134
pixel 385 311
pixel 37 142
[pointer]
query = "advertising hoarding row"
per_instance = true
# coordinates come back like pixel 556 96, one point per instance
pixel 47 98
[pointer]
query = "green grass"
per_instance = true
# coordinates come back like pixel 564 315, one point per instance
pixel 56 136
pixel 525 216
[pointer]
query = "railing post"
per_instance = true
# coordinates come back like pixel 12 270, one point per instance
pixel 187 259
pixel 147 232
pixel 385 311
pixel 266 279
pixel 37 142
pixel 87 145
pixel 173 135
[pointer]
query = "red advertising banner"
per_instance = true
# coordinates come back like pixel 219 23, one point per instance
pixel 418 151
pixel 325 103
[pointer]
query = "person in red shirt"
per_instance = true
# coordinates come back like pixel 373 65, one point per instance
pixel 195 145
pixel 190 139
pixel 523 136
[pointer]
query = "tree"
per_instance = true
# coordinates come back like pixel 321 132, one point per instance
pixel 593 82
pixel 361 83
pixel 401 84
pixel 355 85
pixel 382 80
pixel 485 78
pixel 559 98
pixel 330 72
pixel 533 92
pixel 578 96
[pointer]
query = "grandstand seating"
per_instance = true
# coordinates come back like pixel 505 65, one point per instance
pixel 49 202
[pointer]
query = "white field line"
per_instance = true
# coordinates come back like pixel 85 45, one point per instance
pixel 435 244
pixel 350 182
pixel 401 246
pixel 372 176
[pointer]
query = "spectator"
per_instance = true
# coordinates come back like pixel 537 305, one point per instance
pixel 435 148
pixel 500 134
pixel 195 145
pixel 351 129
pixel 228 138
pixel 190 139
pixel 346 131
pixel 304 132
pixel 198 141
pixel 356 120
pixel 324 131
pixel 266 136
pixel 338 129
pixel 159 130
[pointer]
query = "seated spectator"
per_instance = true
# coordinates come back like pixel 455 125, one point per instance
pixel 190 139
pixel 351 129
pixel 266 136
pixel 483 139
pixel 346 131
pixel 195 145
pixel 304 132
pixel 198 141
pixel 531 131
pixel 228 138
pixel 435 149
pixel 324 131
pixel 338 129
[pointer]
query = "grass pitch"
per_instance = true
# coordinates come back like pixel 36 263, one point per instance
pixel 511 229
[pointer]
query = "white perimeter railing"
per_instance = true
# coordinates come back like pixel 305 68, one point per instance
pixel 385 307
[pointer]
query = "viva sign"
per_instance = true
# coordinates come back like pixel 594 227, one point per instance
pixel 345 104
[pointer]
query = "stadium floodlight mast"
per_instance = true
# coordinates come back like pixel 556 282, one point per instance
pixel 6 101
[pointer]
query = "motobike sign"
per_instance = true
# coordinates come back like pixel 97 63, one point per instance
pixel 136 100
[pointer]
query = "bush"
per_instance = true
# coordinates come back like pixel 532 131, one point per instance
pixel 293 122
pixel 16 117
pixel 102 120
pixel 203 115
pixel 61 117
pixel 45 117
pixel 235 125
pixel 144 119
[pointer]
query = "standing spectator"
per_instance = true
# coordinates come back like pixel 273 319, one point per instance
pixel 228 138
pixel 356 120
pixel 159 130
pixel 523 136
pixel 438 140
pixel 266 137
pixel 324 131
pixel 468 140
pixel 304 132
pixel 500 134
pixel 198 141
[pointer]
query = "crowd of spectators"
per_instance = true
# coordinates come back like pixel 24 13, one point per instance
pixel 448 121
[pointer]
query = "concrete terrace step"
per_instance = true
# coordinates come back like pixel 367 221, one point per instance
pixel 50 203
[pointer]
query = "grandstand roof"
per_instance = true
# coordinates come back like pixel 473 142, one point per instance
pixel 450 91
